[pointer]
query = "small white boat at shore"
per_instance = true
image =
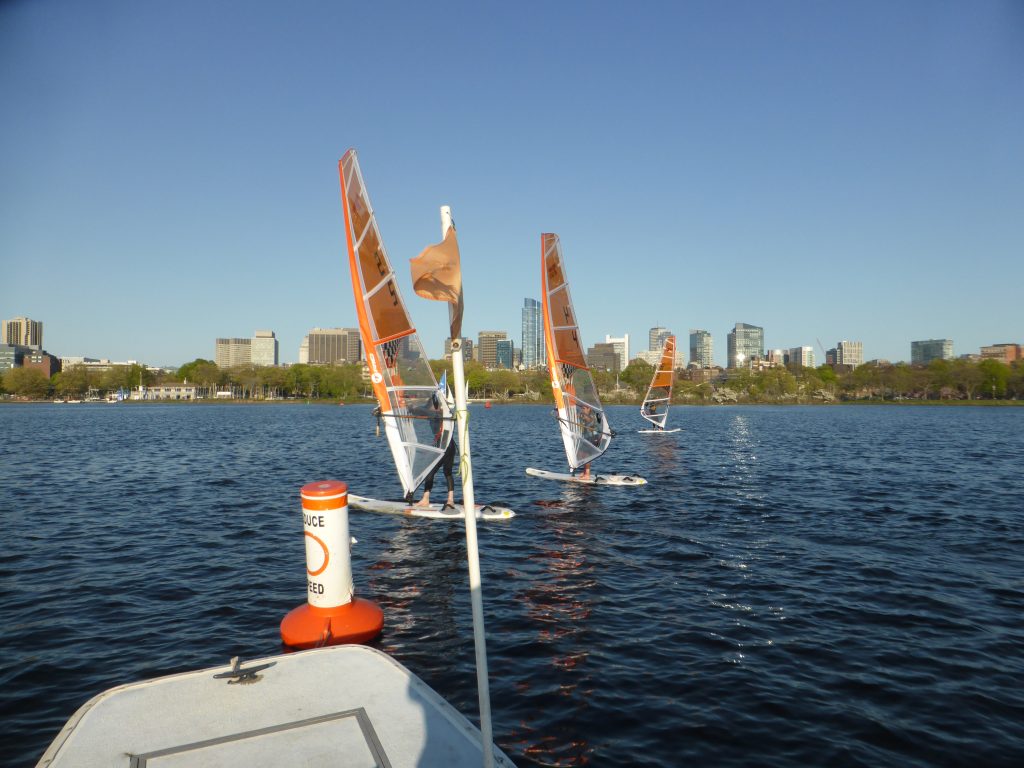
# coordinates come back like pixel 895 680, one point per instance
pixel 347 705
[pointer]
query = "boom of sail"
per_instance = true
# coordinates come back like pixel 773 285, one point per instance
pixel 582 420
pixel 659 394
pixel 417 418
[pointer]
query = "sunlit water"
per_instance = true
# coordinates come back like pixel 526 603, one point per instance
pixel 795 586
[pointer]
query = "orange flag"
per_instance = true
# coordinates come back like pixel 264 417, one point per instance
pixel 437 275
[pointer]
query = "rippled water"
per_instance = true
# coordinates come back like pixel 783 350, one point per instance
pixel 795 586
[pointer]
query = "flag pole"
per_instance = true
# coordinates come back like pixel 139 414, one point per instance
pixel 472 548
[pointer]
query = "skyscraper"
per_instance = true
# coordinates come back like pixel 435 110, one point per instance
pixel 505 353
pixel 23 332
pixel 533 334
pixel 745 343
pixel 801 357
pixel 923 352
pixel 701 349
pixel 656 337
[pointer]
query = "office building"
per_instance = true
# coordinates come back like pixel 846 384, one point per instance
pixel 621 345
pixel 264 348
pixel 332 346
pixel 1004 353
pixel 923 352
pixel 604 357
pixel 229 353
pixel 22 332
pixel 745 345
pixel 534 354
pixel 656 337
pixel 850 353
pixel 701 349
pixel 505 354
pixel 487 347
pixel 801 357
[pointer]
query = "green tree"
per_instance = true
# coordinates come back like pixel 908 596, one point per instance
pixel 476 378
pixel 27 382
pixel 503 383
pixel 994 378
pixel 72 382
pixel 637 376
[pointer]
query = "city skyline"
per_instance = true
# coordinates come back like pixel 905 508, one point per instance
pixel 827 172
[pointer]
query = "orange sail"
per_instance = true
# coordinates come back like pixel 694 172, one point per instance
pixel 584 426
pixel 659 394
pixel 417 418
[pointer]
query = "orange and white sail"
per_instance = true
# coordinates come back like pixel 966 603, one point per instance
pixel 582 420
pixel 659 394
pixel 417 417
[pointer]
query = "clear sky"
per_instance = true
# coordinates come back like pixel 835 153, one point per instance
pixel 826 170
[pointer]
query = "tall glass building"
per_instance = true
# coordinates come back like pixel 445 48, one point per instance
pixel 745 343
pixel 701 349
pixel 533 334
pixel 923 352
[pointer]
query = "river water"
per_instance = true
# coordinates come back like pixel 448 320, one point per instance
pixel 795 586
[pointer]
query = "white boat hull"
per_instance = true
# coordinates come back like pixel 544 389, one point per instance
pixel 430 511
pixel 594 479
pixel 346 705
pixel 659 431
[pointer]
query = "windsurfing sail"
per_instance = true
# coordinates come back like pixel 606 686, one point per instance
pixel 417 419
pixel 659 394
pixel 581 418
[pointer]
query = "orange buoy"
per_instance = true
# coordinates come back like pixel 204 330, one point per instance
pixel 487 404
pixel 332 614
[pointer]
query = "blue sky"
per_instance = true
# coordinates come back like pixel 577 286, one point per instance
pixel 168 171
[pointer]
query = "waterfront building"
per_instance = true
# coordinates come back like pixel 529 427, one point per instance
pixel 42 361
pixel 923 352
pixel 801 357
pixel 264 348
pixel 333 346
pixel 701 349
pixel 12 356
pixel 487 347
pixel 22 332
pixel 745 345
pixel 850 353
pixel 621 345
pixel 604 357
pixel 1005 353
pixel 533 335
pixel 505 353
pixel 164 392
pixel 467 349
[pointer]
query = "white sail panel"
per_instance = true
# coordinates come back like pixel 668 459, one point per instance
pixel 659 394
pixel 582 421
pixel 417 418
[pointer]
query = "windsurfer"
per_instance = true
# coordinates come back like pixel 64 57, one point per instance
pixel 589 428
pixel 433 412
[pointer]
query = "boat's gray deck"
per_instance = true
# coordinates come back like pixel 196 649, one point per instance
pixel 343 706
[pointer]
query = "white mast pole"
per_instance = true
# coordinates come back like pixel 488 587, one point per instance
pixel 472 548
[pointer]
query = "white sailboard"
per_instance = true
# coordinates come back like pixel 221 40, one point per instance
pixel 594 479
pixel 430 511
pixel 581 419
pixel 659 395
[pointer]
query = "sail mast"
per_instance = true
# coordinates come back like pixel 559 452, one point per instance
pixel 472 546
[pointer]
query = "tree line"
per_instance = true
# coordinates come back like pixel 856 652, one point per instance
pixel 940 380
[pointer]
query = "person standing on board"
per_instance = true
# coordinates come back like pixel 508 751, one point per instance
pixel 447 463
pixel 589 429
